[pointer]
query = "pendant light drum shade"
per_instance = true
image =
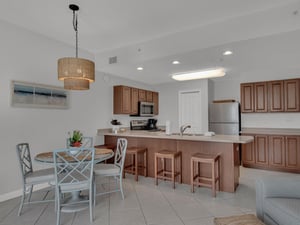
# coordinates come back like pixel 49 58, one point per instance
pixel 76 68
pixel 76 84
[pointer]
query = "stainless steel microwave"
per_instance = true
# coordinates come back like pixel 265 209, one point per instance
pixel 146 109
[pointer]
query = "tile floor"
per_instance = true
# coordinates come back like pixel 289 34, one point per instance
pixel 147 204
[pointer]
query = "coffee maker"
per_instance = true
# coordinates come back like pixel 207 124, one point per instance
pixel 151 125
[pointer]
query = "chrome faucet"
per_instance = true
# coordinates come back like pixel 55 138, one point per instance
pixel 183 128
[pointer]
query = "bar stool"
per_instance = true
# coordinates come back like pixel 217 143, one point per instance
pixel 163 173
pixel 135 165
pixel 197 179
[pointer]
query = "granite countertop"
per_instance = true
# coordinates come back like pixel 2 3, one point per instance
pixel 275 131
pixel 189 137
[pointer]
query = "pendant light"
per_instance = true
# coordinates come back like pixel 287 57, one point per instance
pixel 77 73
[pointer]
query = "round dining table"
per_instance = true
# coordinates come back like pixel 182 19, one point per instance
pixel 100 156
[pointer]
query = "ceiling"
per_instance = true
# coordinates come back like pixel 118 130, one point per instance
pixel 154 33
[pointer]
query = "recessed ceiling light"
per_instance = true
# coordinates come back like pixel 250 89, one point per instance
pixel 227 53
pixel 193 75
pixel 140 68
pixel 175 62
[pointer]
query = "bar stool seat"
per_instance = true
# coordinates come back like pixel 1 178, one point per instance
pixel 164 173
pixel 197 179
pixel 135 165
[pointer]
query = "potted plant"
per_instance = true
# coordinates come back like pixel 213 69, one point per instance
pixel 75 139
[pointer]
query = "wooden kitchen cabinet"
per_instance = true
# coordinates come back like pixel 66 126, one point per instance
pixel 292 152
pixel 122 100
pixel 156 102
pixel 276 151
pixel 126 99
pixel 276 96
pixel 248 152
pixel 247 97
pixel 272 152
pixel 149 96
pixel 260 97
pixel 134 101
pixel 291 97
pixel 271 96
pixel 142 95
pixel 261 150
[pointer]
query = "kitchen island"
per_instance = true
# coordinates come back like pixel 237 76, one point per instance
pixel 228 146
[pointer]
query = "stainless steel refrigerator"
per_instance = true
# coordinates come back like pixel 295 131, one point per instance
pixel 225 118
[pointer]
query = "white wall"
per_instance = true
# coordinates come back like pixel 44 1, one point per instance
pixel 168 102
pixel 26 56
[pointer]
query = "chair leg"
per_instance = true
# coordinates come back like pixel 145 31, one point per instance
pixel 136 167
pixel 91 204
pixel 30 193
pixel 22 201
pixel 58 210
pixel 121 187
pixel 155 169
pixel 192 176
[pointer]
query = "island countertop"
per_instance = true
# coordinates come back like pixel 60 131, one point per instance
pixel 189 137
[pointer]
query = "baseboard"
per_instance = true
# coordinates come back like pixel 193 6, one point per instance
pixel 17 193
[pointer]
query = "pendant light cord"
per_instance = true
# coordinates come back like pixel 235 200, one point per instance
pixel 75 26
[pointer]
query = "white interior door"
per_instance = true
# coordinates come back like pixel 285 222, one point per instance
pixel 190 110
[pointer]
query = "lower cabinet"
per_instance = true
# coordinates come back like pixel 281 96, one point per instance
pixel 272 152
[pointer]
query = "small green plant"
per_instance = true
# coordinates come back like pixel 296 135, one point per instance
pixel 75 138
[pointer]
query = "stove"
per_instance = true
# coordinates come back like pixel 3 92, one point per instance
pixel 142 125
pixel 138 124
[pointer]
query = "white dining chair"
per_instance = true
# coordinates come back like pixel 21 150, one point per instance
pixel 85 142
pixel 74 174
pixel 112 170
pixel 31 177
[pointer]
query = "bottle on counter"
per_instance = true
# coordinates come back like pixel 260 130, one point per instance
pixel 168 127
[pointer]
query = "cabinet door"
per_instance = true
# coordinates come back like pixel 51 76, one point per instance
pixel 260 97
pixel 261 150
pixel 149 96
pixel 276 151
pixel 247 97
pixel 134 100
pixel 276 96
pixel 291 95
pixel 122 100
pixel 142 95
pixel 248 152
pixel 156 102
pixel 292 152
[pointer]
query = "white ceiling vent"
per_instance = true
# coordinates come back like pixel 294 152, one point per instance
pixel 112 60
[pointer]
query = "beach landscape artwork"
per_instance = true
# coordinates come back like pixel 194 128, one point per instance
pixel 38 96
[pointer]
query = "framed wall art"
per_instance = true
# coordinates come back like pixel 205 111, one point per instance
pixel 32 95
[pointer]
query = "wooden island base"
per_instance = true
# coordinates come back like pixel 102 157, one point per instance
pixel 229 156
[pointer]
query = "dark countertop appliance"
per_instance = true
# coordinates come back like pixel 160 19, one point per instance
pixel 149 125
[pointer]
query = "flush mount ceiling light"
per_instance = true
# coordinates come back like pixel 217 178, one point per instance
pixel 140 68
pixel 193 75
pixel 227 53
pixel 175 62
pixel 77 73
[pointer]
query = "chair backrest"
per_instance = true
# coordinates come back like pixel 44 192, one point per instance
pixel 24 157
pixel 85 142
pixel 74 168
pixel 120 152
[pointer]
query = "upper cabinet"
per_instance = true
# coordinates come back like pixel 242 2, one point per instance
pixel 270 96
pixel 126 99
pixel 260 97
pixel 155 101
pixel 291 97
pixel 122 100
